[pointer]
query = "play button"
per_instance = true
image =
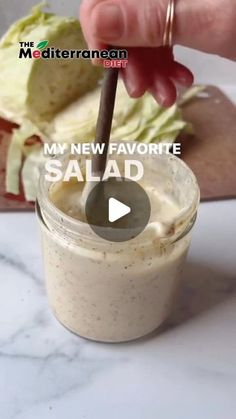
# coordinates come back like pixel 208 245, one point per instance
pixel 117 209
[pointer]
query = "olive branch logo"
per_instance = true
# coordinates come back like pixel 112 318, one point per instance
pixel 42 44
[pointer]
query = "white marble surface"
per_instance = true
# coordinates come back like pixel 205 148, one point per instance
pixel 186 372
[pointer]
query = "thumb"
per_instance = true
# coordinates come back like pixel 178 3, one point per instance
pixel 204 24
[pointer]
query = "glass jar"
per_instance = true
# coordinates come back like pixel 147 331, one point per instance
pixel 109 291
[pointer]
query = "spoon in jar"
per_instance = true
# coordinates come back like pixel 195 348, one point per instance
pixel 103 130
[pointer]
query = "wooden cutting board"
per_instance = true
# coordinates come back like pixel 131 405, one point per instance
pixel 210 152
pixel 9 202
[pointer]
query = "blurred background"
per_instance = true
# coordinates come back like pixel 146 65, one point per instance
pixel 207 68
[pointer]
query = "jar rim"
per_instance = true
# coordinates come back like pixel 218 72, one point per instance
pixel 163 240
pixel 74 226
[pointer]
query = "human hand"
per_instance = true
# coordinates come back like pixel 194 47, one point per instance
pixel 205 25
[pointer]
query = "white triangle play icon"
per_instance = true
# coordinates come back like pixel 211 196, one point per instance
pixel 117 210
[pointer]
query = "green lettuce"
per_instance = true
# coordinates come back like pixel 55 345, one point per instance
pixel 36 89
pixel 33 91
pixel 134 119
pixel 15 155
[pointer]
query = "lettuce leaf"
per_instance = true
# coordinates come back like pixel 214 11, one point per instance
pixel 15 155
pixel 132 119
pixel 31 171
pixel 36 89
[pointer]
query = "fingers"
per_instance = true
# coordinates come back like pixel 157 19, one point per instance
pixel 123 22
pixel 206 25
pixel 163 90
pixel 148 68
pixel 134 75
pixel 134 82
pixel 181 74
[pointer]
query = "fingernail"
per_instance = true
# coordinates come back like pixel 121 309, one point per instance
pixel 161 99
pixel 107 21
pixel 131 87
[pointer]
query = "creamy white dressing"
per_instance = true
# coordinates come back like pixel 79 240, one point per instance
pixel 114 300
pixel 117 292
